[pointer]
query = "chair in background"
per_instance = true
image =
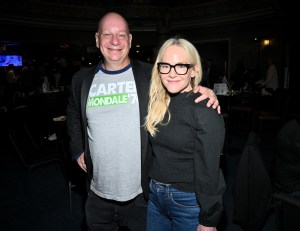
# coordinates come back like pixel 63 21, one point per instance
pixel 252 188
pixel 32 149
pixel 31 153
pixel 245 116
pixel 287 210
pixel 272 113
pixel 74 175
pixel 286 175
pixel 242 111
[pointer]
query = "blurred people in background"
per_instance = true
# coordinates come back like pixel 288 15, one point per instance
pixel 11 74
pixel 206 73
pixel 270 82
pixel 11 85
pixel 29 78
pixel 243 78
pixel 239 77
pixel 2 87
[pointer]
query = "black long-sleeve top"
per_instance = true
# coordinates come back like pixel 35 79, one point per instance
pixel 186 154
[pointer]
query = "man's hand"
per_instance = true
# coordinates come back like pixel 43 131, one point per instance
pixel 81 162
pixel 208 93
pixel 204 228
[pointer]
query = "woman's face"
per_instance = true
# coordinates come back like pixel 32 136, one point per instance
pixel 175 81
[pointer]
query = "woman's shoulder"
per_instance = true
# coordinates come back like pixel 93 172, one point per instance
pixel 200 104
pixel 201 107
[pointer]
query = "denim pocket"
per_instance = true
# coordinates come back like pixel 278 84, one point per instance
pixel 156 186
pixel 151 186
pixel 184 199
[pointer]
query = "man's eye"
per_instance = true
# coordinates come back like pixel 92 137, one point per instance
pixel 122 36
pixel 106 35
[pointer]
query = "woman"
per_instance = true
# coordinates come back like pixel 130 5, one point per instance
pixel 186 183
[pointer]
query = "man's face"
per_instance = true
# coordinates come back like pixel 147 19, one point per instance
pixel 113 39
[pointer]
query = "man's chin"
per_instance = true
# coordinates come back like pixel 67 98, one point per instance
pixel 115 58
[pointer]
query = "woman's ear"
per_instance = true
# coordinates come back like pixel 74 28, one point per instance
pixel 194 71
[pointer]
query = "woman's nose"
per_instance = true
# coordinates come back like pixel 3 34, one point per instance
pixel 172 72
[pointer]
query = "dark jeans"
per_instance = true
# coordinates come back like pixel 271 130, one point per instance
pixel 170 209
pixel 109 215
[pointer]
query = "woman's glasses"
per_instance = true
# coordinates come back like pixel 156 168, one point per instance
pixel 180 69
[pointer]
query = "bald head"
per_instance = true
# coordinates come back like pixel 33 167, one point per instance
pixel 114 40
pixel 113 19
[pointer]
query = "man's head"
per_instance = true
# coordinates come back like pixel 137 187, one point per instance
pixel 269 61
pixel 114 40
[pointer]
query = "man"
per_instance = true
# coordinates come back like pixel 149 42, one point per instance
pixel 271 81
pixel 105 115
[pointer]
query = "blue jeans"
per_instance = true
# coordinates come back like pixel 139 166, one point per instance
pixel 170 209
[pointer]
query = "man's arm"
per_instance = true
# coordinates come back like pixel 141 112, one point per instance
pixel 208 93
pixel 74 127
pixel 81 162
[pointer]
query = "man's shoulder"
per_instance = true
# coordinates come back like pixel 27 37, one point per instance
pixel 136 62
pixel 87 70
pixel 141 69
pixel 84 73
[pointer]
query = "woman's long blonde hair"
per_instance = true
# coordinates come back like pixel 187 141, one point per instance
pixel 159 98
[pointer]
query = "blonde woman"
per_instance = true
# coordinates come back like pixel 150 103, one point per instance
pixel 186 183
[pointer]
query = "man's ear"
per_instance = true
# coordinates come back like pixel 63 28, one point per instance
pixel 97 39
pixel 130 40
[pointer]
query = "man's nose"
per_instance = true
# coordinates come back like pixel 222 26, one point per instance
pixel 115 40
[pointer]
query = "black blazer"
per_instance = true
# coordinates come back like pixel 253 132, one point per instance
pixel 76 112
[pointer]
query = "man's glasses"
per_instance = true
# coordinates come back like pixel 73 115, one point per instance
pixel 180 69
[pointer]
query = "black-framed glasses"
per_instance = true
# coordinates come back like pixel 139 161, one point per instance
pixel 180 68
